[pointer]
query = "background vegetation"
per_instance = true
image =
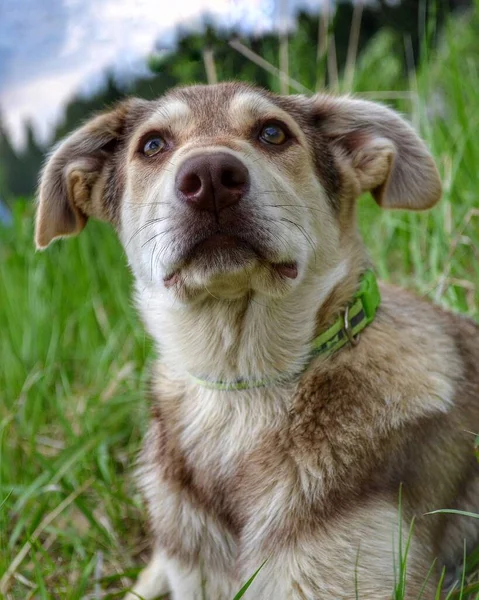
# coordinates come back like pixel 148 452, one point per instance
pixel 74 357
pixel 312 49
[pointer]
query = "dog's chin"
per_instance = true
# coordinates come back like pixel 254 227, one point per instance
pixel 228 267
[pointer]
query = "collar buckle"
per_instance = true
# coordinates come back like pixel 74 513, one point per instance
pixel 353 339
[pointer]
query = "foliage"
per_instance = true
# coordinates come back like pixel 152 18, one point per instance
pixel 75 357
pixel 185 64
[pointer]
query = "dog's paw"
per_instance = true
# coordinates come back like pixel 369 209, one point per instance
pixel 152 582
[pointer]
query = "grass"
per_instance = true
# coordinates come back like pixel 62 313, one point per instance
pixel 72 409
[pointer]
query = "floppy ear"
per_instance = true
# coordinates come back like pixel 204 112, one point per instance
pixel 380 150
pixel 80 178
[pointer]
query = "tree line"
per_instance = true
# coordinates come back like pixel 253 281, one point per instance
pixel 319 51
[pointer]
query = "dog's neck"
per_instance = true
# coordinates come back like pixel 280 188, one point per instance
pixel 254 337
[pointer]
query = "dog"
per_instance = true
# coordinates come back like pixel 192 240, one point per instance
pixel 303 420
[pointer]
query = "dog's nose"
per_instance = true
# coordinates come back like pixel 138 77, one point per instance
pixel 212 182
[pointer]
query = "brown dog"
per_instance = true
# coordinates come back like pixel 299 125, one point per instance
pixel 272 439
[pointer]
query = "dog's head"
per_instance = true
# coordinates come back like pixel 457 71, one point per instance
pixel 228 189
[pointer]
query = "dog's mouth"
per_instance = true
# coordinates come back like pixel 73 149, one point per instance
pixel 224 252
pixel 220 241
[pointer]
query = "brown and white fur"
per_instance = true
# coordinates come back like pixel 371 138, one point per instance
pixel 302 476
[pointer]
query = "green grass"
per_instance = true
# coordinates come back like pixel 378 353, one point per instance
pixel 72 410
pixel 74 357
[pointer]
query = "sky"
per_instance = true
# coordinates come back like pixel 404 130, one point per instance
pixel 52 49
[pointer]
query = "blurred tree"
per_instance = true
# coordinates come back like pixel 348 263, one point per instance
pixel 30 161
pixel 10 168
pixel 402 30
pixel 3 171
pixel 19 169
pixel 81 106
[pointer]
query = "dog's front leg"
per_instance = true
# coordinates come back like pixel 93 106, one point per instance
pixel 199 582
pixel 165 575
pixel 185 583
pixel 153 580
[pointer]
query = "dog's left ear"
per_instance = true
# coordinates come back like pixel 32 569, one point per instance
pixel 80 178
pixel 381 152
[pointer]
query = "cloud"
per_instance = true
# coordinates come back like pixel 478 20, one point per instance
pixel 51 49
pixel 31 33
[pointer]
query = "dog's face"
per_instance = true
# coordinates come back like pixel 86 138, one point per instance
pixel 224 195
pixel 229 189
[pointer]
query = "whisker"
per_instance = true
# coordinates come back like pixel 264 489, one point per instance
pixel 155 236
pixel 212 295
pixel 157 258
pixel 306 236
pixel 274 234
pixel 277 236
pixel 324 212
pixel 166 244
pixel 151 261
pixel 253 301
pixel 145 226
pixel 162 202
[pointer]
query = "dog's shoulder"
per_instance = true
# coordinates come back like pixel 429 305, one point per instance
pixel 445 341
pixel 408 367
pixel 409 350
pixel 378 413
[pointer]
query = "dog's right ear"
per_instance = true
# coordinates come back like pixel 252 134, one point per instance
pixel 80 179
pixel 379 151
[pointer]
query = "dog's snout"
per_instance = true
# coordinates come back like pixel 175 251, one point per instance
pixel 212 182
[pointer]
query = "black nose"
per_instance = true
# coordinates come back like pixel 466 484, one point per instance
pixel 212 182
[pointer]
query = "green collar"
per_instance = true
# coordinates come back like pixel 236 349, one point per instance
pixel 357 316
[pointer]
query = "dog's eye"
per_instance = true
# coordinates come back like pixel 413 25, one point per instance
pixel 273 134
pixel 153 145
